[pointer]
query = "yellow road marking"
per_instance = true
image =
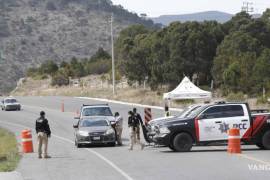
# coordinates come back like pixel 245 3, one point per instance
pixel 253 159
pixel 246 157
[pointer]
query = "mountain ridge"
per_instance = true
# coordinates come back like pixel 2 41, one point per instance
pixel 33 31
pixel 198 16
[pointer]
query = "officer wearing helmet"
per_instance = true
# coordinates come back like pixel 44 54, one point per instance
pixel 43 133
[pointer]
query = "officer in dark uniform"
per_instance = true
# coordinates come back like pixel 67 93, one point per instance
pixel 43 133
pixel 139 119
pixel 134 121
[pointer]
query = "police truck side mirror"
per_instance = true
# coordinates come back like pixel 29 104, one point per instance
pixel 202 116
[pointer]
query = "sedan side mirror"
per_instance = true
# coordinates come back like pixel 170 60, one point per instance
pixel 75 126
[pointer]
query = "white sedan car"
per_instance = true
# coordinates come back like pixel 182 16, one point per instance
pixel 10 103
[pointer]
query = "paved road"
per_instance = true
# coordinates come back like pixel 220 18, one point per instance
pixel 118 163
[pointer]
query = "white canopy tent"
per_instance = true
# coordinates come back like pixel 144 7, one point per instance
pixel 187 90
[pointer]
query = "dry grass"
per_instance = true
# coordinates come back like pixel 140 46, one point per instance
pixel 126 93
pixel 9 155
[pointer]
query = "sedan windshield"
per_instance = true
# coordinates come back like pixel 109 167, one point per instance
pixel 93 123
pixel 97 111
pixel 10 101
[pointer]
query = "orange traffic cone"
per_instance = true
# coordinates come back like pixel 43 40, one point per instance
pixel 62 107
pixel 234 142
pixel 27 143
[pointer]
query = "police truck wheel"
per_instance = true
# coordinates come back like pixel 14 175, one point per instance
pixel 182 142
pixel 266 140
pixel 260 145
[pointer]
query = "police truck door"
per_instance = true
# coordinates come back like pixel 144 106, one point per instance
pixel 212 125
pixel 237 117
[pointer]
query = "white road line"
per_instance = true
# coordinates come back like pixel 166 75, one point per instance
pixel 129 104
pixel 89 150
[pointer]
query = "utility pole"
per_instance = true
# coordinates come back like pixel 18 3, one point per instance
pixel 247 7
pixel 113 68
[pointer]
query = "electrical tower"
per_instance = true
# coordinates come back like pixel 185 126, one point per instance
pixel 248 7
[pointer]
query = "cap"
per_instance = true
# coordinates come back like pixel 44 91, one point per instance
pixel 42 113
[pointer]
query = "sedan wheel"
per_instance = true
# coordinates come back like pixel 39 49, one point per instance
pixel 112 144
pixel 78 145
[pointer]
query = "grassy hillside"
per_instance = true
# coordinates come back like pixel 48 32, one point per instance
pixel 33 31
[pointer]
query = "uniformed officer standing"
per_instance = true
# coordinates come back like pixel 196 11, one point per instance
pixel 43 133
pixel 134 129
pixel 118 127
pixel 139 119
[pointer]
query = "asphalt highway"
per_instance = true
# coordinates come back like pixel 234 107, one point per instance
pixel 102 163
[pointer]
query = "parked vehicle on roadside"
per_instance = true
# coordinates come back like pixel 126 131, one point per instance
pixel 9 104
pixel 94 130
pixel 210 123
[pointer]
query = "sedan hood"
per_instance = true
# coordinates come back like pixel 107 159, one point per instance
pixel 108 118
pixel 8 104
pixel 95 129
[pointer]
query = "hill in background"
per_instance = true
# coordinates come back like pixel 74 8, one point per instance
pixel 201 16
pixel 218 16
pixel 33 31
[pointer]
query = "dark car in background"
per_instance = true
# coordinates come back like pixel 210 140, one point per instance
pixel 94 131
pixel 10 103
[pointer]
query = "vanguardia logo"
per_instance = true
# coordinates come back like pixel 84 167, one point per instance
pixel 259 167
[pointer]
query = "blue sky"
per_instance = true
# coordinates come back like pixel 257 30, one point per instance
pixel 155 8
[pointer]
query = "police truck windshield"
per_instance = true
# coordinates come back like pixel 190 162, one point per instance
pixel 195 112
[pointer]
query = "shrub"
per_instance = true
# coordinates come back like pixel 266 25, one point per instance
pixel 98 67
pixel 262 100
pixel 59 79
pixel 236 97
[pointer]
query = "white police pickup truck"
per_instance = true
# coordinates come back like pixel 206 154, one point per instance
pixel 210 123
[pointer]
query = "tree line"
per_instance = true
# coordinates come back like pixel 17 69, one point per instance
pixel 99 63
pixel 236 54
